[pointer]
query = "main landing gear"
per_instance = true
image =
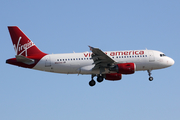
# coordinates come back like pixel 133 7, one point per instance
pixel 149 73
pixel 100 78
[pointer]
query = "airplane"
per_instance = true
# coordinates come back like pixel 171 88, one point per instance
pixel 110 65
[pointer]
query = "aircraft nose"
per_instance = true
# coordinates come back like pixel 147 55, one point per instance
pixel 171 61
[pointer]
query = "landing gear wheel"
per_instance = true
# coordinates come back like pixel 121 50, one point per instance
pixel 100 79
pixel 149 73
pixel 150 78
pixel 92 83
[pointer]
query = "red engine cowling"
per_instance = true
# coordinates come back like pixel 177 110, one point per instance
pixel 126 68
pixel 113 76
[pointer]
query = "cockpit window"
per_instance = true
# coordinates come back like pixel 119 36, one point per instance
pixel 161 55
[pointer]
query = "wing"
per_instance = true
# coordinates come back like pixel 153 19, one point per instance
pixel 101 60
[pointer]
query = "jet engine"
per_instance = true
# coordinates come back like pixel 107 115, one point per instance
pixel 124 68
pixel 113 76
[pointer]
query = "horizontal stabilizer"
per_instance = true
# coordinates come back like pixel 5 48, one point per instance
pixel 23 59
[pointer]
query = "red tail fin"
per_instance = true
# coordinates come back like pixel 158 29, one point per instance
pixel 22 44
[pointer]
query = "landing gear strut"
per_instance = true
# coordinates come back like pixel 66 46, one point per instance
pixel 100 78
pixel 149 73
pixel 92 82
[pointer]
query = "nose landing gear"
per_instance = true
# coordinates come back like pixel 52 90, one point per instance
pixel 150 78
pixel 149 73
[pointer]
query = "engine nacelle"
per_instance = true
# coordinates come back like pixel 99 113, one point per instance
pixel 124 68
pixel 113 76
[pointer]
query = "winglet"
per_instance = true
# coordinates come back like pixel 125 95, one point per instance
pixel 91 48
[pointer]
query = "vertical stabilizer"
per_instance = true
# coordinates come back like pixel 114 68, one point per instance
pixel 22 44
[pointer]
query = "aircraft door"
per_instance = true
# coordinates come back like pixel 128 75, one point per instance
pixel 151 56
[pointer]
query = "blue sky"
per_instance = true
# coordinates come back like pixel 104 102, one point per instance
pixel 67 26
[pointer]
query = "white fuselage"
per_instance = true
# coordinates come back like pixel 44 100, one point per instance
pixel 81 63
pixel 108 65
